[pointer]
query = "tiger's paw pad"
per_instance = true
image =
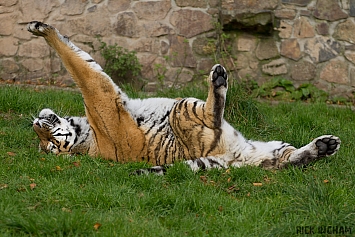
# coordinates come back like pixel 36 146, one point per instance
pixel 327 145
pixel 219 76
pixel 38 28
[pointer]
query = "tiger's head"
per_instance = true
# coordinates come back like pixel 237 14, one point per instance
pixel 56 134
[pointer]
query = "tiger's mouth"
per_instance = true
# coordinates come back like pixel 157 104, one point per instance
pixel 36 123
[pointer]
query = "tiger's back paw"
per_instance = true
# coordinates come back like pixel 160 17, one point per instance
pixel 327 145
pixel 320 147
pixel 219 76
pixel 39 28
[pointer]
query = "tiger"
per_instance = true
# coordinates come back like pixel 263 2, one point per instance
pixel 158 131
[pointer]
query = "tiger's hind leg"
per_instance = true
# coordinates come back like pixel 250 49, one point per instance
pixel 116 134
pixel 320 147
pixel 286 156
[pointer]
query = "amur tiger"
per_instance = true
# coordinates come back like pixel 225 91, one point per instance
pixel 158 131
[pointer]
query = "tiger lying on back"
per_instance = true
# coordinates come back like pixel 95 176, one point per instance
pixel 159 131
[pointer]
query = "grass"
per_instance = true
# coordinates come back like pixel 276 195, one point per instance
pixel 45 195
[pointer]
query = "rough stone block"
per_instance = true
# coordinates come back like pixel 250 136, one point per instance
pixel 94 23
pixel 152 10
pixel 7 23
pixel 33 64
pixel 350 56
pixel 39 9
pixel 115 6
pixel 323 28
pixel 285 13
pixel 127 24
pixel 305 13
pixel 156 29
pixel 322 49
pixel 290 48
pixel 242 61
pixel 146 45
pixel 4 10
pixel 336 71
pixel 72 8
pixel 20 32
pixel 8 3
pixel 9 66
pixel 303 29
pixel 302 3
pixel 329 10
pixel 303 71
pixel 190 23
pixel 352 7
pixel 8 46
pixel 248 6
pixel 352 77
pixel 56 64
pixel 276 67
pixel 191 3
pixel 345 31
pixel 285 30
pixel 34 49
pixel 246 43
pixel 164 47
pixel 267 49
pixel 181 53
pixel 205 65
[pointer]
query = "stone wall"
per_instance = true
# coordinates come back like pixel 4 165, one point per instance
pixel 307 41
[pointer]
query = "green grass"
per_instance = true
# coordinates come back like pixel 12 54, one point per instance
pixel 72 194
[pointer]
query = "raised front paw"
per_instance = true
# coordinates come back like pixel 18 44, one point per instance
pixel 327 145
pixel 38 28
pixel 219 76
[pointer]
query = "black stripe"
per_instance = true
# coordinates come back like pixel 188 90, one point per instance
pixel 200 164
pixel 75 140
pixel 186 112
pixel 218 109
pixel 195 113
pixel 55 131
pixel 180 103
pixel 66 144
pixel 214 162
pixel 217 135
pixel 151 127
pixel 140 120
pixel 165 116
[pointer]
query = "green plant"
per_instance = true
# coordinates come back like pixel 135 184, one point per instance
pixel 120 62
pixel 160 71
pixel 280 88
pixel 340 100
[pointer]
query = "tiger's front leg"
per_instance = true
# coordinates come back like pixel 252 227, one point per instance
pixel 218 85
